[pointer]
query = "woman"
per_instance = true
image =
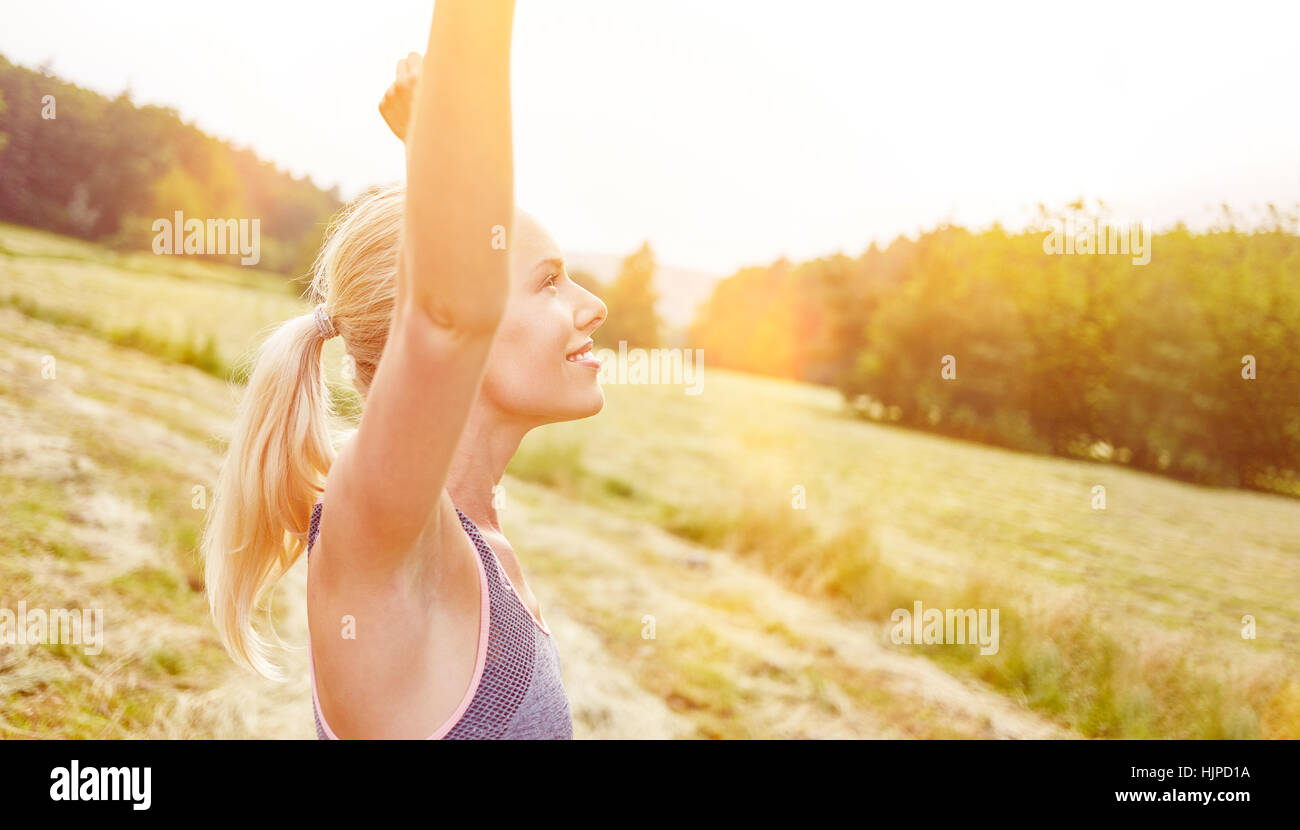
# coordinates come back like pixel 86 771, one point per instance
pixel 464 332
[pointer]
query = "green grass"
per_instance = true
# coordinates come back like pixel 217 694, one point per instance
pixel 179 309
pixel 892 516
pixel 124 431
pixel 188 352
pixel 1123 622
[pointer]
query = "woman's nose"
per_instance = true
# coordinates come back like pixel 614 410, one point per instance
pixel 592 312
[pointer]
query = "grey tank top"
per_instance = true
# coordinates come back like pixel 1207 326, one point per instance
pixel 517 692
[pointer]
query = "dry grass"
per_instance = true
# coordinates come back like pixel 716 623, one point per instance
pixel 770 620
pixel 1123 622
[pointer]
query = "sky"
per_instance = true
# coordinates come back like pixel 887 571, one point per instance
pixel 732 133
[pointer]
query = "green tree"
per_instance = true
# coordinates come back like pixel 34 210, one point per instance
pixel 1186 365
pixel 106 168
pixel 631 300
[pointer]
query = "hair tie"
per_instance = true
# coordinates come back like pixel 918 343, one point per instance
pixel 324 324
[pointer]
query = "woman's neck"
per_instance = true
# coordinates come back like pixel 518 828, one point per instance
pixel 486 446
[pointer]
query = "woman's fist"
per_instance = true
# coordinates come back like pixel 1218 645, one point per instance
pixel 397 102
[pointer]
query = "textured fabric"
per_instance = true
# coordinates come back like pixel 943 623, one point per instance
pixel 518 692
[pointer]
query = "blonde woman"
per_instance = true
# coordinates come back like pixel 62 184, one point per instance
pixel 465 332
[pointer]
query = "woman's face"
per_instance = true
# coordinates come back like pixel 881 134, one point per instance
pixel 548 318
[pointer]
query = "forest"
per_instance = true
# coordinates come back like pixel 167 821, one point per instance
pixel 104 169
pixel 1187 365
pixel 1183 360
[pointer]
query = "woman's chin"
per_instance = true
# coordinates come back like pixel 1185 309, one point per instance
pixel 576 409
pixel 595 405
pixel 590 405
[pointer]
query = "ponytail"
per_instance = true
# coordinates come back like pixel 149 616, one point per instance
pixel 279 454
pixel 281 449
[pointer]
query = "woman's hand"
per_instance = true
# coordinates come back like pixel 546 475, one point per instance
pixel 396 104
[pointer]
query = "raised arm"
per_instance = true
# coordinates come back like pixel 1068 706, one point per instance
pixel 460 168
pixel 386 488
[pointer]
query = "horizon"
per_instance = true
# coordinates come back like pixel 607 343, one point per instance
pixel 780 157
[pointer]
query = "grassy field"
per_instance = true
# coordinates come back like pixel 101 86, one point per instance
pixel 762 531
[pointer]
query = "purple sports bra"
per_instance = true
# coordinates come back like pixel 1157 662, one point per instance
pixel 517 692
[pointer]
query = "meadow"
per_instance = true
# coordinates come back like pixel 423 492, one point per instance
pixel 718 565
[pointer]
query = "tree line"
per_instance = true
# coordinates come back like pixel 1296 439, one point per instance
pixel 80 163
pixel 1188 365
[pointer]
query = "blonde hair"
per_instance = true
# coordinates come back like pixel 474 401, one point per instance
pixel 281 449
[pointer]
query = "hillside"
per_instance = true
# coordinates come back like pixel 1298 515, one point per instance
pixel 768 620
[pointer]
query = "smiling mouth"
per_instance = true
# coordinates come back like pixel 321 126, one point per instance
pixel 585 357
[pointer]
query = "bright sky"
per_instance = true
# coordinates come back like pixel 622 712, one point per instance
pixel 730 133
